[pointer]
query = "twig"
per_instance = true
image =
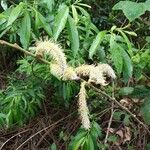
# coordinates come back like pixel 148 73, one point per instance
pixel 111 117
pixel 43 130
pixel 88 84
pixel 16 46
pixel 43 136
pixel 109 124
pixel 12 138
pixel 118 103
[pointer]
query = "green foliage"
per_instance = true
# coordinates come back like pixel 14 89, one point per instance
pixel 25 30
pixel 126 91
pixel 70 24
pixel 73 36
pixel 86 139
pixel 76 23
pixel 148 146
pixel 60 21
pixel 141 63
pixel 133 12
pixel 96 42
pixel 20 102
pixel 146 111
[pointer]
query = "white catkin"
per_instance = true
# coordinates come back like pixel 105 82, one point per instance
pixel 107 69
pixel 83 108
pixel 55 51
pixel 70 74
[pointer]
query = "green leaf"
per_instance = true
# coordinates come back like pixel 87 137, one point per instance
pixel 15 13
pixel 85 5
pixel 101 54
pixel 99 38
pixel 131 10
pixel 126 91
pixel 145 110
pixel 49 4
pixel 78 144
pixel 95 130
pixel 37 21
pixel 60 21
pixel 25 30
pixel 128 42
pixel 9 118
pixel 130 33
pixel 148 146
pixel 83 11
pixel 77 140
pixel 90 144
pixel 43 23
pixel 75 14
pixel 73 36
pixel 53 147
pixel 127 65
pixel 117 59
pixel 113 138
pixel 2 115
pixel 116 56
pixel 147 5
pixel 94 28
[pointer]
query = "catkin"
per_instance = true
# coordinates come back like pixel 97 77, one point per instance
pixel 84 70
pixel 83 108
pixel 106 69
pixel 54 50
pixel 70 74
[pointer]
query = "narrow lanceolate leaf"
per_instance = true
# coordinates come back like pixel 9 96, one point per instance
pixel 127 65
pixel 49 4
pixel 128 42
pixel 85 5
pixel 73 35
pixel 60 21
pixel 130 33
pixel 116 55
pixel 37 21
pixel 117 59
pixel 25 30
pixel 145 111
pixel 90 143
pixel 43 23
pixel 75 14
pixel 99 38
pixel 94 28
pixel 77 140
pixel 15 13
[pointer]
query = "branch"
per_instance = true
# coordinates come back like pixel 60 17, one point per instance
pixel 88 84
pixel 17 47
pixel 99 92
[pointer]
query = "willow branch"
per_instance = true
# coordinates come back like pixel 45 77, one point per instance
pixel 99 92
pixel 2 42
pixel 17 47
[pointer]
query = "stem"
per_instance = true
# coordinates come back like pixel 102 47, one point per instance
pixel 16 46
